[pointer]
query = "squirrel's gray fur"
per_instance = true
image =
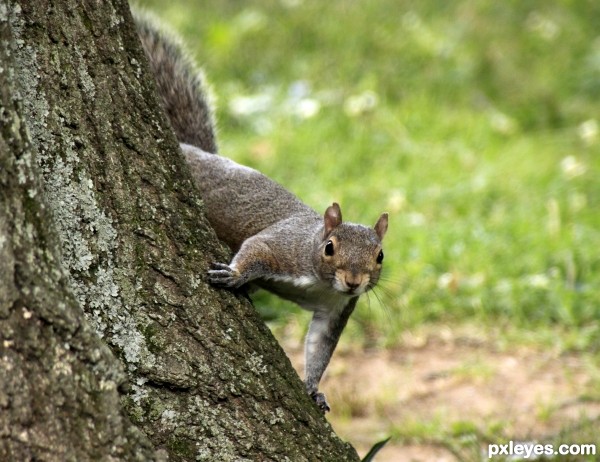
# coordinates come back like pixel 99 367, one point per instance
pixel 180 84
pixel 280 244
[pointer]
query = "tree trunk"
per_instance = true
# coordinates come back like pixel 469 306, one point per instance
pixel 103 242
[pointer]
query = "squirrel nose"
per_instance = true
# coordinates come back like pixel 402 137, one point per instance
pixel 353 282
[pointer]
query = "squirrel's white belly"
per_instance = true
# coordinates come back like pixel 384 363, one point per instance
pixel 307 291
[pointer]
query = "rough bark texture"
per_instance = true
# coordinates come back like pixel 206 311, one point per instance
pixel 58 381
pixel 202 378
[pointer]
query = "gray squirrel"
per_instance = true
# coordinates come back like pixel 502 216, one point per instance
pixel 282 245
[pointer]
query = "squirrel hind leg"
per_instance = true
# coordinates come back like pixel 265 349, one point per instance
pixel 320 401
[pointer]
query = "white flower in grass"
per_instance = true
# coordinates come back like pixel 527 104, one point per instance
pixel 572 167
pixel 588 131
pixel 362 103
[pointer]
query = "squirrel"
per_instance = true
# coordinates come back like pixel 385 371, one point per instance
pixel 281 244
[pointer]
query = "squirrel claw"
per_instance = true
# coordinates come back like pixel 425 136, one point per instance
pixel 320 401
pixel 223 275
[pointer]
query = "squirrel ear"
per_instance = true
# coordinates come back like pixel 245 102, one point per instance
pixel 381 226
pixel 333 217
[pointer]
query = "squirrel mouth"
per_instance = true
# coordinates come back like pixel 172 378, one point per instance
pixel 354 290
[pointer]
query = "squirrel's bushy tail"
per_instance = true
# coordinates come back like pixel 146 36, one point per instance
pixel 180 84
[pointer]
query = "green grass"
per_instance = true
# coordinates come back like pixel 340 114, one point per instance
pixel 474 123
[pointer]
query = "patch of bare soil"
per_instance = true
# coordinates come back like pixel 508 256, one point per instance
pixel 522 393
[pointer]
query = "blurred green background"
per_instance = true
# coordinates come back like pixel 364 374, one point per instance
pixel 474 123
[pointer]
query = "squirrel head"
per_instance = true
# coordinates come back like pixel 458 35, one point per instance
pixel 350 255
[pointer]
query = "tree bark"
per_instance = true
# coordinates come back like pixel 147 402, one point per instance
pixel 112 345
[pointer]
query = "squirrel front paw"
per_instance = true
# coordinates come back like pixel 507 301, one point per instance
pixel 224 276
pixel 320 401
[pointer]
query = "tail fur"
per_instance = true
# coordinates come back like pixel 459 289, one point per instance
pixel 180 84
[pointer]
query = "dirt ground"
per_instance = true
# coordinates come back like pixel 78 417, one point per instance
pixel 434 383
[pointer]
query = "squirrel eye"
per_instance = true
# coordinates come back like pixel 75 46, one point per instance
pixel 380 257
pixel 329 248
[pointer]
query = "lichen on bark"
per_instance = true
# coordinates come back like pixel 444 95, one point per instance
pixel 59 396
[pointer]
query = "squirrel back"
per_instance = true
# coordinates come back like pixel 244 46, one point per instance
pixel 240 201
